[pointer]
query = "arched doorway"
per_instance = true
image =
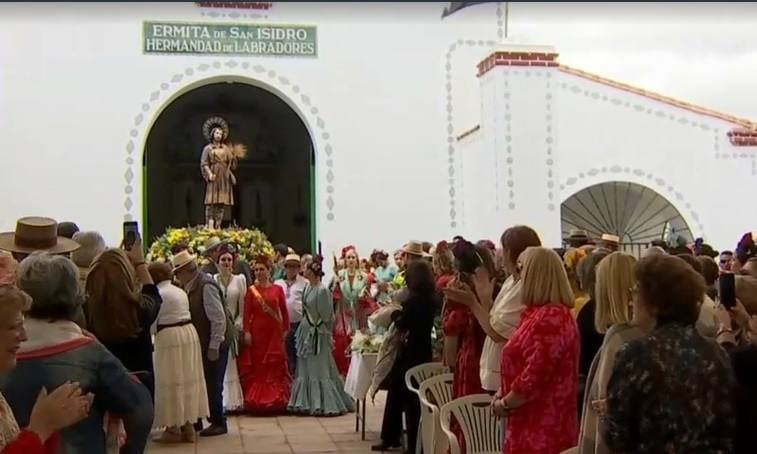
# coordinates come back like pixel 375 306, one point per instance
pixel 275 187
pixel 631 211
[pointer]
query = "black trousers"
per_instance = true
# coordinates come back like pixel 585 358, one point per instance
pixel 400 400
pixel 292 348
pixel 215 372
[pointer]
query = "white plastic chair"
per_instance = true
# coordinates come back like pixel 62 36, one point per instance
pixel 482 430
pixel 434 393
pixel 413 379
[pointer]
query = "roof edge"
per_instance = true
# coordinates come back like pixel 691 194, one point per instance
pixel 738 121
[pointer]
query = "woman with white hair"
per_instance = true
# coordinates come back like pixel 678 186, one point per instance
pixel 92 245
pixel 540 362
pixel 58 352
pixel 181 397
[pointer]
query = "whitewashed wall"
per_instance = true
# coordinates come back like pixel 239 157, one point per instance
pixel 599 133
pixel 391 87
pixel 684 156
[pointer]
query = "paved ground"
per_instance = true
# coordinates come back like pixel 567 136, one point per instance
pixel 288 434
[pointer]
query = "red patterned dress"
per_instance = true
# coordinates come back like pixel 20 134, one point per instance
pixel 459 321
pixel 540 363
pixel 263 366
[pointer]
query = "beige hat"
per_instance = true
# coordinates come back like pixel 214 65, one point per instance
pixel 36 234
pixel 415 248
pixel 292 258
pixel 92 244
pixel 578 234
pixel 610 238
pixel 211 244
pixel 181 259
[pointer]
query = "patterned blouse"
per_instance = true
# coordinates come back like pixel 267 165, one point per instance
pixel 540 363
pixel 670 392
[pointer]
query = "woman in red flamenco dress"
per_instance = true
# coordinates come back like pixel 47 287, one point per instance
pixel 463 336
pixel 263 367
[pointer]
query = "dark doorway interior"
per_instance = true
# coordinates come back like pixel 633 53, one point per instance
pixel 274 189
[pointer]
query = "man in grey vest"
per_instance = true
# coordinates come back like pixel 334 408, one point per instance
pixel 240 265
pixel 209 319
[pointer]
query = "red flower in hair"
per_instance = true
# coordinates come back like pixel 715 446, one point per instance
pixel 347 249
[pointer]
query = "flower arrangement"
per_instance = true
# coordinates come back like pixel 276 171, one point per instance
pixel 249 242
pixel 366 342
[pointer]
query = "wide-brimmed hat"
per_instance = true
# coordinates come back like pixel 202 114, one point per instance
pixel 292 258
pixel 92 244
pixel 36 234
pixel 182 259
pixel 415 248
pixel 211 244
pixel 578 234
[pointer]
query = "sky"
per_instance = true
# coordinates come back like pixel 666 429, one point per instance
pixel 704 53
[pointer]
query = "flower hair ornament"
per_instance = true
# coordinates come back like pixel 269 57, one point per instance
pixel 379 254
pixel 467 258
pixel 226 248
pixel 347 249
pixel 746 248
pixel 316 266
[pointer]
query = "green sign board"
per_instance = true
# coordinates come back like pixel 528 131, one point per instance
pixel 229 39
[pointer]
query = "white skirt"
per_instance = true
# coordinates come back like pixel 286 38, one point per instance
pixel 180 393
pixel 233 400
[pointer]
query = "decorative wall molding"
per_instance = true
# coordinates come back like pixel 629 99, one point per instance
pixel 294 96
pixel 451 137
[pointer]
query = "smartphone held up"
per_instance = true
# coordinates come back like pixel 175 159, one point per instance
pixel 727 290
pixel 130 234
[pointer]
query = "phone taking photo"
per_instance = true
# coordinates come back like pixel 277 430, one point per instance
pixel 727 291
pixel 131 233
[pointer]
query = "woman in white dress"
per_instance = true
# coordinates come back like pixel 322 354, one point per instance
pixel 234 288
pixel 180 394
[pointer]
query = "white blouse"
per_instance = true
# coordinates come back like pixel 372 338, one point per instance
pixel 504 318
pixel 233 295
pixel 175 305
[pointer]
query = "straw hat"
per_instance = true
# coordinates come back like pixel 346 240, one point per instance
pixel 610 238
pixel 578 234
pixel 36 234
pixel 182 259
pixel 292 258
pixel 415 248
pixel 211 244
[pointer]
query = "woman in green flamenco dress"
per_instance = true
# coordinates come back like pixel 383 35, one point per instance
pixel 318 388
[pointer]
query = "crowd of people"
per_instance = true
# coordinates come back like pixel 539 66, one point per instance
pixel 584 349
